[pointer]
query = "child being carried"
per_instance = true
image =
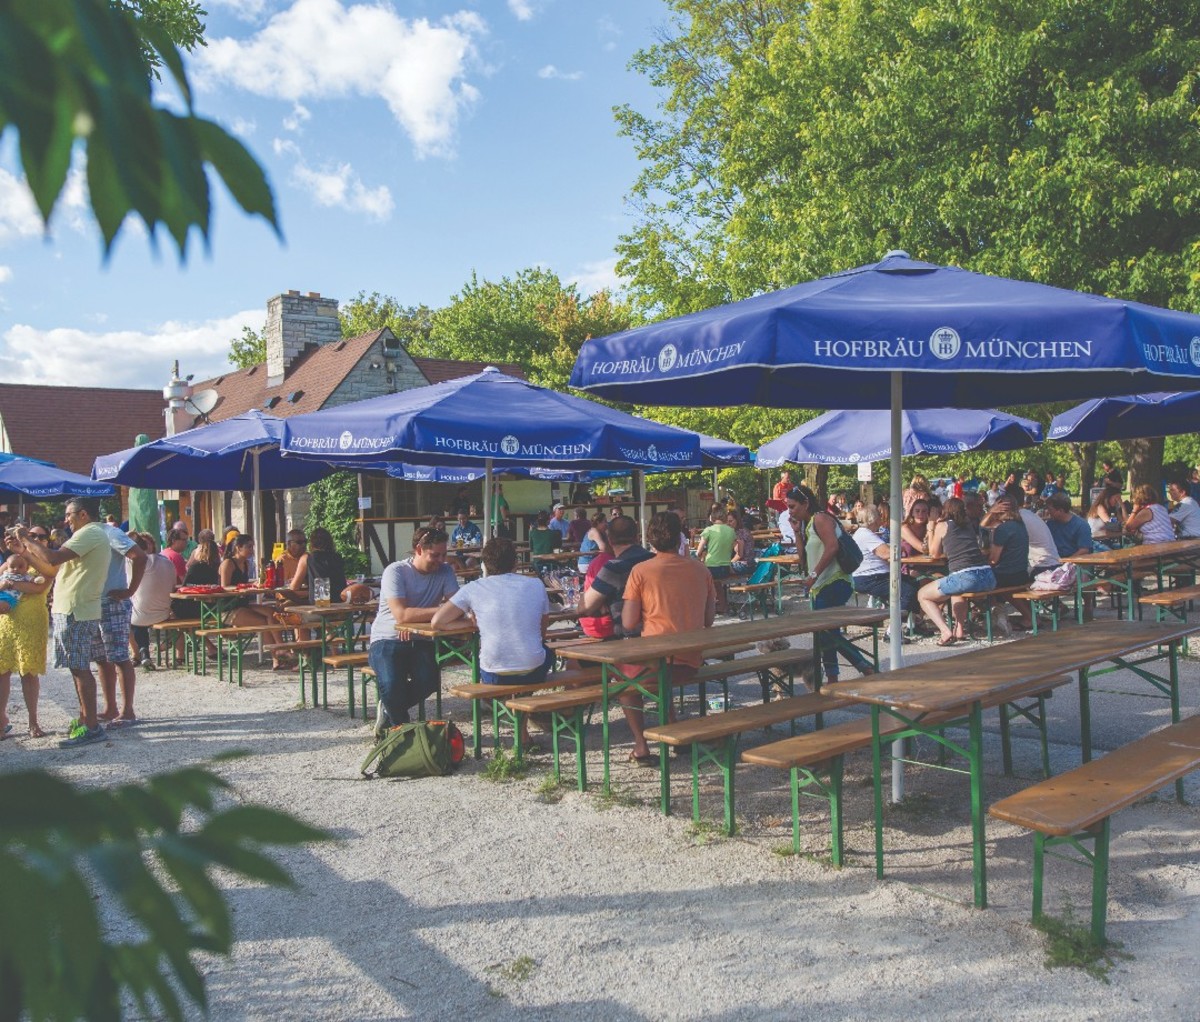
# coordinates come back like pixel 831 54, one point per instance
pixel 15 569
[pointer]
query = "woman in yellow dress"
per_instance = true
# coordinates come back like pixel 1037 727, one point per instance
pixel 24 634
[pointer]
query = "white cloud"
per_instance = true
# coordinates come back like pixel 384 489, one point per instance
pixel 550 71
pixel 243 127
pixel 339 187
pixel 297 118
pixel 120 358
pixel 5 274
pixel 609 32
pixel 18 212
pixel 522 10
pixel 597 276
pixel 318 49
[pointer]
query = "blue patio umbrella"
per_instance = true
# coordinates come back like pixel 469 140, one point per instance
pixel 488 417
pixel 239 453
pixel 1129 417
pixel 850 437
pixel 41 479
pixel 894 334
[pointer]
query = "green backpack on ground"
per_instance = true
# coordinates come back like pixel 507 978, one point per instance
pixel 429 748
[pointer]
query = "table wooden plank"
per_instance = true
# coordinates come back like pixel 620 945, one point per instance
pixel 648 648
pixel 1145 552
pixel 981 673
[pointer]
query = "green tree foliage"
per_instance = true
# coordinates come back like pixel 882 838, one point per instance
pixel 532 319
pixel 151 849
pixel 1052 140
pixel 80 72
pixel 366 312
pixel 334 506
pixel 182 20
pixel 250 349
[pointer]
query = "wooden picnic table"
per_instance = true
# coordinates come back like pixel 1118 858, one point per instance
pixel 967 681
pixel 458 642
pixel 343 615
pixel 652 655
pixel 216 605
pixel 1118 568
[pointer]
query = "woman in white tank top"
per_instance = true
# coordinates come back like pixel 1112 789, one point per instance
pixel 1149 519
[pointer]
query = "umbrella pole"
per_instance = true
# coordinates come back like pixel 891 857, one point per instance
pixel 639 483
pixel 489 529
pixel 716 497
pixel 258 522
pixel 895 507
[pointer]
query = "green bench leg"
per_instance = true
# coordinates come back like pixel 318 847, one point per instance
pixel 350 693
pixel 1096 859
pixel 476 728
pixel 573 726
pixel 804 778
pixel 723 756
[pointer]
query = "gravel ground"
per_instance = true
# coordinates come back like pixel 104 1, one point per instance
pixel 463 897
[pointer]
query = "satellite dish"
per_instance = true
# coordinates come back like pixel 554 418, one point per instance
pixel 203 401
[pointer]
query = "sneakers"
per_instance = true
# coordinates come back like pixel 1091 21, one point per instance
pixel 75 727
pixel 82 736
pixel 145 662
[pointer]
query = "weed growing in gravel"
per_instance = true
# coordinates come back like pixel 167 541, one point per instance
pixel 516 971
pixel 616 796
pixel 550 790
pixel 505 767
pixel 705 832
pixel 784 851
pixel 920 806
pixel 1070 945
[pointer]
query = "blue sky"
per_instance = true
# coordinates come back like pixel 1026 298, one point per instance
pixel 408 143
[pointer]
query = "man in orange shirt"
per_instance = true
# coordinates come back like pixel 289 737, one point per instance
pixel 664 595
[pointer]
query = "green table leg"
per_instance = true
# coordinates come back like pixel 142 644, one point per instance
pixel 1100 882
pixel 1173 652
pixel 977 818
pixel 877 771
pixel 1085 716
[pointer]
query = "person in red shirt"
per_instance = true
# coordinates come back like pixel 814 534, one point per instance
pixel 781 488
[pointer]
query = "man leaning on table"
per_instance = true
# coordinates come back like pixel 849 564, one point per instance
pixel 406 670
pixel 664 595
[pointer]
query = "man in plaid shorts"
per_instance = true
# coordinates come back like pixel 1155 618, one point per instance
pixel 82 564
pixel 116 610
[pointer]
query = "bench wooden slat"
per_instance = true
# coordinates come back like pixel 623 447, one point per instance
pixel 1078 799
pixel 745 718
pixel 806 749
pixel 1042 594
pixel 750 665
pixel 1170 597
pixel 998 591
pixel 336 660
pixel 238 630
pixel 171 624
pixel 573 678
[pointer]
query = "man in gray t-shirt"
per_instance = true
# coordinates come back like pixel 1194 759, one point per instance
pixel 406 671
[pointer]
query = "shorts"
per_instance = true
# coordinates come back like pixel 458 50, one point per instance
pixel 968 580
pixel 114 628
pixel 525 678
pixel 77 644
pixel 10 597
pixel 720 571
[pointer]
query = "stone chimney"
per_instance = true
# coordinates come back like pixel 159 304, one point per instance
pixel 294 320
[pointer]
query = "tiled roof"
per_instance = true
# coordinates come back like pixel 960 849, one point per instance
pixel 315 374
pixel 72 426
pixel 438 370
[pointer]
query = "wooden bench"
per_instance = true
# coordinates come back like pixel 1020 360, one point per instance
pixel 989 598
pixel 308 659
pixel 567 709
pixel 714 738
pixel 239 636
pixel 499 694
pixel 760 594
pixel 1048 600
pixel 815 759
pixel 349 661
pixel 1171 602
pixel 166 630
pixel 1076 807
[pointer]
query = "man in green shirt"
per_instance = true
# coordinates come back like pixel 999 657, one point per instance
pixel 82 565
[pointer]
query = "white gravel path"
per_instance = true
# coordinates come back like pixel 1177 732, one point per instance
pixel 460 898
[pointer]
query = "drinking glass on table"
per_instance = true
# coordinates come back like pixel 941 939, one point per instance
pixel 320 592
